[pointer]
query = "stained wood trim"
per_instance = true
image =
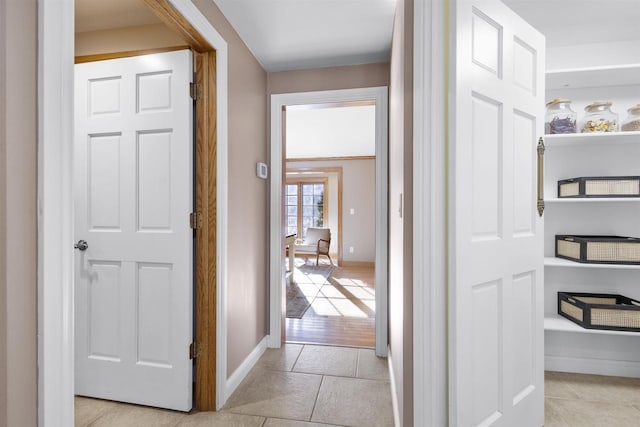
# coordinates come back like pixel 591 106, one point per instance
pixel 126 54
pixel 205 393
pixel 175 21
pixel 329 159
pixel 336 169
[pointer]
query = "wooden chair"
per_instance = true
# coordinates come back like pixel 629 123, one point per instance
pixel 316 242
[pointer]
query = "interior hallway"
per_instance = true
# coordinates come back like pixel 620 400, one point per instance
pixel 295 386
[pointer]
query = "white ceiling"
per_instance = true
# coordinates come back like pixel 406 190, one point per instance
pixel 298 34
pixel 331 132
pixel 571 22
pixel 93 15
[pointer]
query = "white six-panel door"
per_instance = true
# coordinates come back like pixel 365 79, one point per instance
pixel 496 245
pixel 133 195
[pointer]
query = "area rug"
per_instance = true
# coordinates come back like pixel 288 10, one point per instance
pixel 305 286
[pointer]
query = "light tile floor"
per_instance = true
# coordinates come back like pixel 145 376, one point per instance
pixel 576 400
pixel 320 386
pixel 295 386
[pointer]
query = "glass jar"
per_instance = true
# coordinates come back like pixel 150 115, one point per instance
pixel 560 118
pixel 632 122
pixel 599 118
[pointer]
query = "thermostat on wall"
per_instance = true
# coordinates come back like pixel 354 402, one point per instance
pixel 261 170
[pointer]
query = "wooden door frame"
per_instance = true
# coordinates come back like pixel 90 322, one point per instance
pixel 55 199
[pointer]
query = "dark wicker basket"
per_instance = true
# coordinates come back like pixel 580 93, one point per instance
pixel 600 311
pixel 599 249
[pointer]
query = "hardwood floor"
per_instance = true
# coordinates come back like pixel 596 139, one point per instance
pixel 342 313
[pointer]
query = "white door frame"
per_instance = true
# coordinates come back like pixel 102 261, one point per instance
pixel 55 205
pixel 430 198
pixel 276 249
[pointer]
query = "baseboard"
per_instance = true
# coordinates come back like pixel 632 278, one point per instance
pixel 243 370
pixel 394 391
pixel 615 368
pixel 273 342
pixel 355 264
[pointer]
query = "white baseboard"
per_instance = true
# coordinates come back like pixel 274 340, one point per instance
pixel 616 368
pixel 239 374
pixel 394 391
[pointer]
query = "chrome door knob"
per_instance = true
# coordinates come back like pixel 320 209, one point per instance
pixel 81 245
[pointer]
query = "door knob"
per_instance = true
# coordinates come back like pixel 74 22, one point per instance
pixel 81 245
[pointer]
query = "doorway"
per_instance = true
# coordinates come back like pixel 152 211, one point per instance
pixel 279 177
pixel 330 188
pixel 56 261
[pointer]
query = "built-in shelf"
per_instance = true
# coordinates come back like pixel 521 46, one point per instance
pixel 595 200
pixel 577 139
pixel 561 262
pixel 622 75
pixel 558 323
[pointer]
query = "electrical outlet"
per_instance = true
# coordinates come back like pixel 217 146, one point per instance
pixel 351 249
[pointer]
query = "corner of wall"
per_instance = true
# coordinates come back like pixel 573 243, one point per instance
pixel 3 224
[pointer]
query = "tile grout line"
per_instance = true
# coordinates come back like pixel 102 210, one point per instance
pixel 297 357
pixel 315 402
pixel 357 363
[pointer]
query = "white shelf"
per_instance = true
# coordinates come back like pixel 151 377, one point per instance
pixel 556 323
pixel 578 139
pixel 565 263
pixel 594 200
pixel 622 75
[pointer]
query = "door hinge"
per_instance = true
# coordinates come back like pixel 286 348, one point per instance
pixel 194 350
pixel 195 220
pixel 195 91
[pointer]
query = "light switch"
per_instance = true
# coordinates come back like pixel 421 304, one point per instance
pixel 352 211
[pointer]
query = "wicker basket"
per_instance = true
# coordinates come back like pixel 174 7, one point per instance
pixel 600 311
pixel 600 186
pixel 599 249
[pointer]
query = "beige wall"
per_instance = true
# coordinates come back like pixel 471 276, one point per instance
pixel 247 276
pixel 141 37
pixel 332 78
pixel 358 192
pixel 3 222
pixel 18 257
pixel 400 228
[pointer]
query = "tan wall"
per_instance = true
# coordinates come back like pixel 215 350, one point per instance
pixel 247 277
pixel 400 228
pixel 18 229
pixel 3 223
pixel 332 78
pixel 141 37
pixel 358 192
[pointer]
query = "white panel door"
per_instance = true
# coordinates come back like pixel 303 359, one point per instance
pixel 496 270
pixel 133 195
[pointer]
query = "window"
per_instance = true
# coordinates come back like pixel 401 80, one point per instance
pixel 305 205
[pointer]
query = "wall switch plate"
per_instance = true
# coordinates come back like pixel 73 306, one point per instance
pixel 261 170
pixel 352 211
pixel 351 249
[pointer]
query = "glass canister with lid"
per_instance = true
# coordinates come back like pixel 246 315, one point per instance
pixel 632 122
pixel 560 118
pixel 599 118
